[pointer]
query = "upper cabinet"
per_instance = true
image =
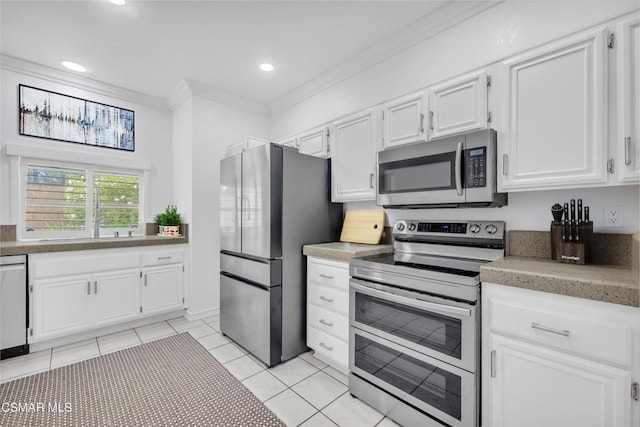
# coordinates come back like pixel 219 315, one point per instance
pixel 556 115
pixel 353 162
pixel 458 105
pixel 314 142
pixel 627 142
pixel 403 120
pixel 291 141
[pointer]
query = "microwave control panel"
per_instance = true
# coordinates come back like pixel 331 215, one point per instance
pixel 475 167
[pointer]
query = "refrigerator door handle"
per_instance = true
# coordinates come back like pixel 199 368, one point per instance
pixel 245 281
pixel 248 207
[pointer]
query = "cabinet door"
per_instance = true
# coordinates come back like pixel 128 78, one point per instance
pixel 403 120
pixel 556 99
pixel 162 290
pixel 116 296
pixel 458 105
pixel 61 306
pixel 532 386
pixel 314 142
pixel 353 165
pixel 291 141
pixel 628 139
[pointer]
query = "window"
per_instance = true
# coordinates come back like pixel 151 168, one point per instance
pixel 61 202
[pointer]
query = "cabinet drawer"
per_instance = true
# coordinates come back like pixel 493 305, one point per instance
pixel 162 257
pixel 329 298
pixel 328 348
pixel 328 321
pixel 333 274
pixel 580 331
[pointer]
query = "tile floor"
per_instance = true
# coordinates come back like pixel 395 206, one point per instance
pixel 302 392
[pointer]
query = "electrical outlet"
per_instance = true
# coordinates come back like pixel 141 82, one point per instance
pixel 613 216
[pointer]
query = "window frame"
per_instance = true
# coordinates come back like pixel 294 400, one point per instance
pixel 90 170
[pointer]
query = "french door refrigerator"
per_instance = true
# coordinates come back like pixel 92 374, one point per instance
pixel 273 201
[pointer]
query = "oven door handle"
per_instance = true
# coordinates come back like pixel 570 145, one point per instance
pixel 458 169
pixel 417 303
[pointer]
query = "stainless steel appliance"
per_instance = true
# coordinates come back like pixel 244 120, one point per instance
pixel 14 309
pixel 451 172
pixel 273 200
pixel 414 322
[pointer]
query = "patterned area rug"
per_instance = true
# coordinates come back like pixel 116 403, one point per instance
pixel 170 382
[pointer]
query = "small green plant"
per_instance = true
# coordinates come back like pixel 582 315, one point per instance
pixel 169 217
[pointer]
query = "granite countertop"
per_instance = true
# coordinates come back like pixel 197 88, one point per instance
pixel 22 247
pixel 608 283
pixel 344 251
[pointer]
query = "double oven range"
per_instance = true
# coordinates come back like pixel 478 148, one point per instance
pixel 414 347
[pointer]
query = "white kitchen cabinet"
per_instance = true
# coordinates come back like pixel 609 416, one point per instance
pixel 458 105
pixel 290 141
pixel 556 115
pixel 328 311
pixel 403 120
pixel 314 142
pixel 628 93
pixel 554 360
pixel 162 290
pixel 116 296
pixel 353 163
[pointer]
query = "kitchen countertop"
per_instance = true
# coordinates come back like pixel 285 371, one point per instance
pixel 22 247
pixel 607 283
pixel 344 251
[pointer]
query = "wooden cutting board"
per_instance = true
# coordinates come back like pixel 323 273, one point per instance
pixel 363 226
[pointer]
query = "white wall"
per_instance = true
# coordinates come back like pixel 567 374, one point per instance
pixel 504 30
pixel 152 139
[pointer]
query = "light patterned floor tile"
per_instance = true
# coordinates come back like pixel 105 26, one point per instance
pixel 264 385
pixel 318 420
pixel 387 422
pixel 293 371
pixel 308 357
pixel 74 354
pixel 73 344
pixel 118 341
pixel 180 324
pixel 330 370
pixel 201 331
pixel 290 408
pixel 349 411
pixel 213 341
pixel 320 389
pixel 243 367
pixel 155 331
pixel 226 353
pixel 21 366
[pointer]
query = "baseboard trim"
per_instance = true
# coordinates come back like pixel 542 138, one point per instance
pixel 195 315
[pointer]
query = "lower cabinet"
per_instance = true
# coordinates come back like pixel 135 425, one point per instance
pixel 74 292
pixel 328 311
pixel 551 360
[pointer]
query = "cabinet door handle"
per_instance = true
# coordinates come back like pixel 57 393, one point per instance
pixel 164 257
pixel 627 150
pixel 327 347
pixel 421 129
pixel 95 287
pixel 505 164
pixel 145 280
pixel 324 322
pixel 324 276
pixel 431 120
pixel 88 288
pixel 493 363
pixel 540 327
pixel 323 298
pixel 371 180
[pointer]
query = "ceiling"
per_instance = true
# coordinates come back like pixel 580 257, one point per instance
pixel 151 46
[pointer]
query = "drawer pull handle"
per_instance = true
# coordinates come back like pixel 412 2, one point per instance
pixel 324 322
pixel 323 298
pixel 326 347
pixel 324 276
pixel 562 332
pixel 88 288
pixel 164 257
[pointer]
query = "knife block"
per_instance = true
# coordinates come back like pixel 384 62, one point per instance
pixel 572 252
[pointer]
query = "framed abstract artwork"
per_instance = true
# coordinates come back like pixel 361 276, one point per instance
pixel 51 115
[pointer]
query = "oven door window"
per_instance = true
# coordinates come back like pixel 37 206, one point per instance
pixel 434 331
pixel 428 173
pixel 429 384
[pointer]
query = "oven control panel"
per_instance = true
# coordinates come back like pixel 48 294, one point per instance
pixel 480 229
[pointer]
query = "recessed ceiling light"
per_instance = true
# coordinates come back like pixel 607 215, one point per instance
pixel 73 66
pixel 266 67
pixel 117 2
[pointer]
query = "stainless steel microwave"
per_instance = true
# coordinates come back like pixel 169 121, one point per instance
pixel 452 172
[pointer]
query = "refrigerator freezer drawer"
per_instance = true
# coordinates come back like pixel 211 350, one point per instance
pixel 251 316
pixel 264 272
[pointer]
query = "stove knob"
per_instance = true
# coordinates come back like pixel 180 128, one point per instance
pixel 474 228
pixel 491 229
pixel 411 227
pixel 400 226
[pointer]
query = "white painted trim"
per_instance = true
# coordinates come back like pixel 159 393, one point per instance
pixel 179 95
pixel 223 96
pixel 74 156
pixel 11 63
pixel 445 17
pixel 195 315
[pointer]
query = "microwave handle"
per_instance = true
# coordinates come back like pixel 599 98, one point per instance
pixel 458 169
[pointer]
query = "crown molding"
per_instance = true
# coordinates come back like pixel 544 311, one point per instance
pixel 180 94
pixel 223 96
pixel 443 18
pixel 18 65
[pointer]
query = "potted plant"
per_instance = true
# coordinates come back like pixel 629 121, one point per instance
pixel 169 221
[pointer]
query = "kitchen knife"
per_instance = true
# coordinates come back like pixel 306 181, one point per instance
pixel 586 214
pixel 579 211
pixel 572 222
pixel 565 223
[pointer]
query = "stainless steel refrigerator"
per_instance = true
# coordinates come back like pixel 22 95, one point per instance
pixel 273 201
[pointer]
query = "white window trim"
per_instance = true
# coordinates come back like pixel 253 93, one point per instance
pixel 19 188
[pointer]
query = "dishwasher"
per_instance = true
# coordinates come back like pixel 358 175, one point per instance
pixel 14 306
